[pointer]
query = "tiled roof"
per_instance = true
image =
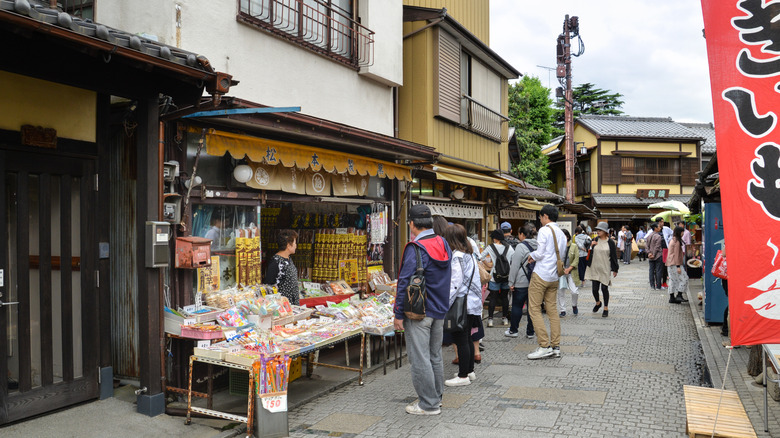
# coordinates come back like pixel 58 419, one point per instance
pixel 602 200
pixel 534 192
pixel 637 127
pixel 706 130
pixel 43 14
pixel 551 148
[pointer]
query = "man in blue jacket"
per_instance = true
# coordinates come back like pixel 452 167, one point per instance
pixel 423 337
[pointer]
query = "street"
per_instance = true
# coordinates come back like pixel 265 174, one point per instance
pixel 618 376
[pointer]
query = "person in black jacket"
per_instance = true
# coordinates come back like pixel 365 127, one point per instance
pixel 602 266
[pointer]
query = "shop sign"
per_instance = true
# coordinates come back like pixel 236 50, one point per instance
pixel 515 213
pixel 652 193
pixel 454 210
pixel 348 270
pixel 743 47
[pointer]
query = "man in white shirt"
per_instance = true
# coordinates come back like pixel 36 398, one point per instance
pixel 544 284
pixel 214 232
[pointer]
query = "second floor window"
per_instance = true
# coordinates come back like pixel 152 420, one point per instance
pixel 324 26
pixel 467 91
pixel 648 170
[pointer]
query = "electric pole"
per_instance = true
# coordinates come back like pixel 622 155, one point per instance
pixel 563 71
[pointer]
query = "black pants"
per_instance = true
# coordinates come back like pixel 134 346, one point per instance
pixel 604 291
pixel 582 266
pixel 502 296
pixel 725 329
pixel 465 346
pixel 656 272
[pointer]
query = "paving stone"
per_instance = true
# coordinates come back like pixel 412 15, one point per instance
pixel 610 341
pixel 580 361
pixel 527 370
pixel 453 401
pixel 530 417
pixel 652 366
pixel 557 395
pixel 573 349
pixel 525 380
pixel 346 423
pixel 445 430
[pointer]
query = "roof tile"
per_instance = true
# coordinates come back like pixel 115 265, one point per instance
pixel 637 127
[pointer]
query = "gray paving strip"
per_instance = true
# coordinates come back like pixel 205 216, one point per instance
pixel 346 423
pixel 653 366
pixel 524 369
pixel 556 395
pixel 525 380
pixel 530 417
pixel 447 430
pixel 610 341
pixel 580 361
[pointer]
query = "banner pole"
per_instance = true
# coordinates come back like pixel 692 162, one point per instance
pixel 722 389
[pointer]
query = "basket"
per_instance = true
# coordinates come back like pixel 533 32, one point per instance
pixel 187 332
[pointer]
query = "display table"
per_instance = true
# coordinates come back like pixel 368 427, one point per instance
pixel 218 414
pixel 771 351
pixel 398 341
pixel 323 301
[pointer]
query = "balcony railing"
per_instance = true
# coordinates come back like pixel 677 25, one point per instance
pixel 315 25
pixel 483 120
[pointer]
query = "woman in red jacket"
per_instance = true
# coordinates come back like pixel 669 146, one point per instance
pixel 675 261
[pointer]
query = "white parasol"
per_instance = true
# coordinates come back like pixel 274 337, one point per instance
pixel 671 205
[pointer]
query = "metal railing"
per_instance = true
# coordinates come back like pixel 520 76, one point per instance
pixel 483 120
pixel 315 25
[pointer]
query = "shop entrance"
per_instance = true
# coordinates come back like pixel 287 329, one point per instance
pixel 48 320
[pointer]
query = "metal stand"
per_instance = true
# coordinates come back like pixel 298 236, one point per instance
pixel 224 415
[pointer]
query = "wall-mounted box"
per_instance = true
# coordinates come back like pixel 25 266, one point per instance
pixel 157 236
pixel 193 252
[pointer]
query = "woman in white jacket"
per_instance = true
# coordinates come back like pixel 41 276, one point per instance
pixel 464 280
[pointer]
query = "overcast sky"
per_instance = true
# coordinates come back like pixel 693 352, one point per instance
pixel 652 52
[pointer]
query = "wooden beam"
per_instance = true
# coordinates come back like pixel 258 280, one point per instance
pixel 652 153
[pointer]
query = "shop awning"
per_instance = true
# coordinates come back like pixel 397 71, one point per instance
pixel 468 178
pixel 530 204
pixel 273 152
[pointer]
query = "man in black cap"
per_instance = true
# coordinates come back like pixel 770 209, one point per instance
pixel 424 336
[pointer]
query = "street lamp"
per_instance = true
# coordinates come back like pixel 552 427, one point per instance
pixel 581 149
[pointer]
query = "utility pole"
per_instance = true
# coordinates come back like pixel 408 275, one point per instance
pixel 563 71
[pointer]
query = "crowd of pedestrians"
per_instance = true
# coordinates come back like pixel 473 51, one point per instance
pixel 538 268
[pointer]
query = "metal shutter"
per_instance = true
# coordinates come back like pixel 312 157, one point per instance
pixel 447 74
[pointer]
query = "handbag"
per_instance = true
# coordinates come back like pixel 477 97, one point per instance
pixel 456 318
pixel 484 267
pixel 719 267
pixel 559 266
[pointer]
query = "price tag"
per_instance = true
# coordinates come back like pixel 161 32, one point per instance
pixel 189 321
pixel 204 344
pixel 276 403
pixel 234 349
pixel 229 334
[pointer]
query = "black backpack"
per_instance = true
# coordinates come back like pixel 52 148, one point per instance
pixel 528 268
pixel 416 294
pixel 500 265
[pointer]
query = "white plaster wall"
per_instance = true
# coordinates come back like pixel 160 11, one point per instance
pixel 273 71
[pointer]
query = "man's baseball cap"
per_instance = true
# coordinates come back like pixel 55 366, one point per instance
pixel 419 211
pixel 506 226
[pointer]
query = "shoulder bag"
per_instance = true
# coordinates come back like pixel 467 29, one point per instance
pixel 559 265
pixel 457 316
pixel 416 294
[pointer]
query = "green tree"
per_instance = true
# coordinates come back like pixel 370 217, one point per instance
pixel 532 115
pixel 587 99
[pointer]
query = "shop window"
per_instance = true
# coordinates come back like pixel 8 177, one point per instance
pixel 84 9
pixel 323 26
pixel 426 187
pixel 582 178
pixel 211 169
pixel 648 170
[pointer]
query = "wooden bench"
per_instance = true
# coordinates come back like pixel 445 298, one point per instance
pixel 701 405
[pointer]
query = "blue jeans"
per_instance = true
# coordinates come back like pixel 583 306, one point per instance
pixel 519 299
pixel 423 345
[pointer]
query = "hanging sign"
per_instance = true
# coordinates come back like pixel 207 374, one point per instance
pixel 743 47
pixel 453 210
pixel 514 213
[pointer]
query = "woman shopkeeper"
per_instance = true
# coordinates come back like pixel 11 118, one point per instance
pixel 281 271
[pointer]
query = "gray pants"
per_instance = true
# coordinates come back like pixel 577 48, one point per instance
pixel 423 345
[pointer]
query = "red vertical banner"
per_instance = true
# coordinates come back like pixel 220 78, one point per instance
pixel 743 47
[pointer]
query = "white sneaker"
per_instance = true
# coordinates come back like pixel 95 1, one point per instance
pixel 530 336
pixel 509 334
pixel 504 321
pixel 458 381
pixel 490 322
pixel 415 409
pixel 557 351
pixel 472 375
pixel 541 353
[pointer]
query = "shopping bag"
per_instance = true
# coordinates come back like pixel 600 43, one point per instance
pixel 719 266
pixel 634 249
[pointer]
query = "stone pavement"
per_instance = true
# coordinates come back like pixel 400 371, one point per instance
pixel 618 376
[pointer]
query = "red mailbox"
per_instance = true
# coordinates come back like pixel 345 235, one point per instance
pixel 193 252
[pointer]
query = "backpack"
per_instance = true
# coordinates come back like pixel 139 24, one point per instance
pixel 416 294
pixel 500 265
pixel 587 242
pixel 528 267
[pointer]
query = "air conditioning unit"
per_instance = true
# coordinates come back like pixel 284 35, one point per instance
pixel 562 191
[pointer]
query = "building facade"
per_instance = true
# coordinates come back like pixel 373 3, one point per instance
pixel 624 164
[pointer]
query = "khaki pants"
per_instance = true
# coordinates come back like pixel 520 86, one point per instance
pixel 544 291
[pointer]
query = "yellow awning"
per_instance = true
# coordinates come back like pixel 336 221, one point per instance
pixel 272 152
pixel 530 205
pixel 468 178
